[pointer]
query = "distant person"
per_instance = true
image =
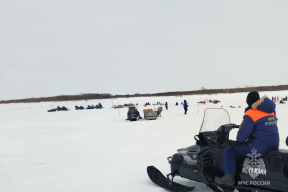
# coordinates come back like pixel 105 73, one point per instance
pixel 176 103
pixel 166 105
pixel 185 106
pixel 277 99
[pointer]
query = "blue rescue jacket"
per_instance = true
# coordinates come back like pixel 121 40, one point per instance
pixel 259 129
pixel 185 105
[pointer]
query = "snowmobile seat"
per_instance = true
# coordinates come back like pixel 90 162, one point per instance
pixel 282 153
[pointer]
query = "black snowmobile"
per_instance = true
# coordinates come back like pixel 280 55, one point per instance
pixel 79 108
pixel 133 114
pixel 52 110
pixel 99 106
pixel 90 107
pixel 214 101
pixel 203 162
pixel 62 108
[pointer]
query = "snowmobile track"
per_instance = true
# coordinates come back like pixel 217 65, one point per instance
pixel 158 178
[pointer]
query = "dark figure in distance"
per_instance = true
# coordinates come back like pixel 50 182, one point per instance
pixel 185 106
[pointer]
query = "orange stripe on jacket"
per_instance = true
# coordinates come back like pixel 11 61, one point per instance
pixel 256 114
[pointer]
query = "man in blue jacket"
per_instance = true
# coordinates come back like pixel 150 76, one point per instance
pixel 258 131
pixel 185 106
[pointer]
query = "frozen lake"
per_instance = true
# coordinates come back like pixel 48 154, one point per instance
pixel 98 150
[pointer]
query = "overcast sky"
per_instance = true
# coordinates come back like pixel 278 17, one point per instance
pixel 59 47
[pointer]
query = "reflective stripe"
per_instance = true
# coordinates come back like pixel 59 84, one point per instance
pixel 256 114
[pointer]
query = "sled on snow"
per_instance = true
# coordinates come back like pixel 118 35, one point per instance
pixel 149 114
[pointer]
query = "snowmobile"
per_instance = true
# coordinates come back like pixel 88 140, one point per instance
pixel 202 162
pixel 79 108
pixel 62 108
pixel 98 106
pixel 214 101
pixel 52 110
pixel 90 107
pixel 133 114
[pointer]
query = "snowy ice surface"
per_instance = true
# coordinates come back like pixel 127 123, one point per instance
pixel 98 150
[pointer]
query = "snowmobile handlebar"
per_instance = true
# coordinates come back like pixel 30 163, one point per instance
pixel 236 126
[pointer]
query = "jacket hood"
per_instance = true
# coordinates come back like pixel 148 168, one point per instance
pixel 264 104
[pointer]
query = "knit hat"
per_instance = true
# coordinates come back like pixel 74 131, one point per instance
pixel 252 97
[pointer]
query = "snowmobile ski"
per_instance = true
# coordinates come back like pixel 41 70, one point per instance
pixel 158 178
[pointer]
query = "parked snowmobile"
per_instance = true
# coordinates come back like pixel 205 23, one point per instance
pixel 90 107
pixel 62 108
pixel 203 162
pixel 52 110
pixel 133 114
pixel 99 106
pixel 79 108
pixel 214 101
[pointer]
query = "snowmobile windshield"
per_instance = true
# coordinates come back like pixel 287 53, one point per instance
pixel 214 118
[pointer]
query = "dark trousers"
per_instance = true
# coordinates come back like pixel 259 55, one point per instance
pixel 185 109
pixel 166 107
pixel 229 157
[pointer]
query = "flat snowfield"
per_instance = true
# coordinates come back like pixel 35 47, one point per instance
pixel 98 150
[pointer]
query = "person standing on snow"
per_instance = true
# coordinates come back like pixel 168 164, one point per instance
pixel 185 106
pixel 166 105
pixel 277 99
pixel 258 131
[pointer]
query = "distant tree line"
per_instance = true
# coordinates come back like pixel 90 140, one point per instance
pixel 86 96
pixel 90 96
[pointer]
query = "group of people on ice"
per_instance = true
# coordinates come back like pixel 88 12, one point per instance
pixel 58 109
pixel 99 106
pixel 276 100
